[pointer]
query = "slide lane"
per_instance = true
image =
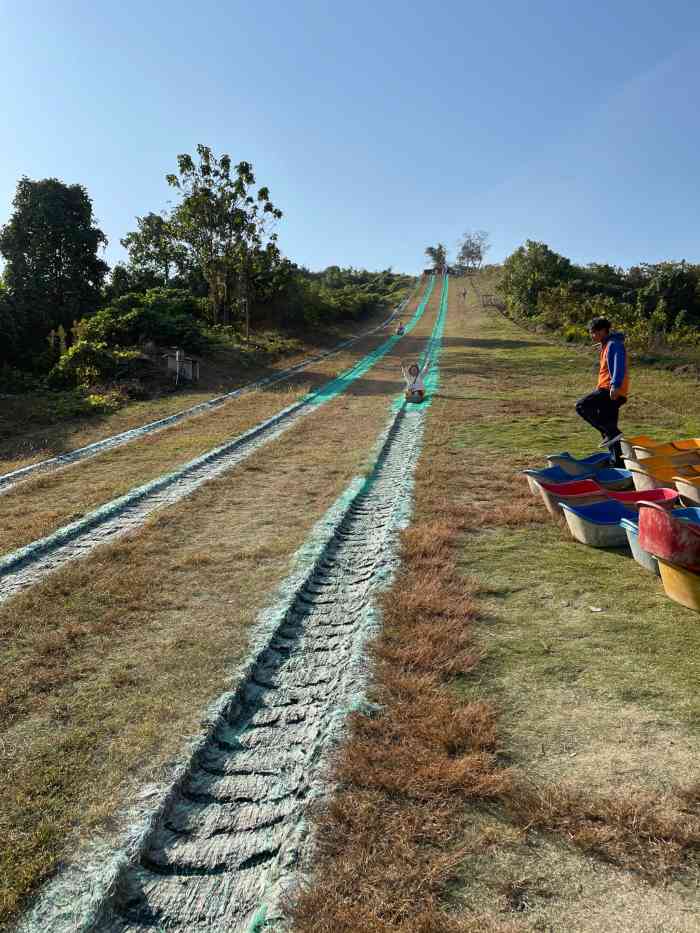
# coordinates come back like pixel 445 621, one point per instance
pixel 27 565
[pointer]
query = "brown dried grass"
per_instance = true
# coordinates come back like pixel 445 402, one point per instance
pixel 108 662
pixel 650 834
pixel 389 842
pixel 392 841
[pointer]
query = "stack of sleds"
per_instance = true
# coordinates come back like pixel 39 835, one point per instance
pixel 654 464
pixel 651 508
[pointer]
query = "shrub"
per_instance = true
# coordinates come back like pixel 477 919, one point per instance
pixel 84 364
pixel 166 316
pixel 574 333
pixel 656 305
pixel 528 271
pixel 101 403
pixel 14 381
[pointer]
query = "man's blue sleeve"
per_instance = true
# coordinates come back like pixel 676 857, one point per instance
pixel 617 363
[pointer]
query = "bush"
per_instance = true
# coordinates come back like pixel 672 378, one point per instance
pixel 14 381
pixel 84 364
pixel 574 333
pixel 655 305
pixel 531 269
pixel 168 317
pixel 323 298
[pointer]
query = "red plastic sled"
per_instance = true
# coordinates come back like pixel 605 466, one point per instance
pixel 670 538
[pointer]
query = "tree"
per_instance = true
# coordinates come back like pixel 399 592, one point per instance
pixel 473 248
pixel 153 249
pixel 223 225
pixel 53 272
pixel 670 288
pixel 530 269
pixel 438 257
pixel 11 327
pixel 121 282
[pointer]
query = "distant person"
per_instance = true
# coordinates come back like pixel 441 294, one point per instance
pixel 601 408
pixel 400 330
pixel 413 377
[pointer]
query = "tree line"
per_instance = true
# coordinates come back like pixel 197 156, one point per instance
pixel 655 303
pixel 211 262
pixel 470 255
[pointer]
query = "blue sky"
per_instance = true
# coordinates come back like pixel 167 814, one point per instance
pixel 379 127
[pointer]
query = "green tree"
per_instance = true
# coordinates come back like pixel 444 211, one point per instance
pixel 122 281
pixel 11 326
pixel 153 249
pixel 670 289
pixel 53 271
pixel 472 249
pixel 438 256
pixel 532 268
pixel 224 224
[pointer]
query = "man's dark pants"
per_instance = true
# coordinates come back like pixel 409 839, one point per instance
pixel 602 412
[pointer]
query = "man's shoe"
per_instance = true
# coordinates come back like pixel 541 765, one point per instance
pixel 611 441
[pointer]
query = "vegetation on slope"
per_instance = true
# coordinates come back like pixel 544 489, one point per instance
pixel 657 305
pixel 197 278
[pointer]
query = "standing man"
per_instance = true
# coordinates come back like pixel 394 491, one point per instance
pixel 601 408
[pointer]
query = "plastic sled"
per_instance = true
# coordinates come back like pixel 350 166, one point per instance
pixel 611 478
pixel 675 539
pixel 688 488
pixel 657 472
pixel 578 492
pixel 598 525
pixel 643 558
pixel 550 475
pixel 674 454
pixel 681 584
pixel 690 514
pixel 692 443
pixel 579 467
pixel 665 497
pixel 614 478
pixel 642 440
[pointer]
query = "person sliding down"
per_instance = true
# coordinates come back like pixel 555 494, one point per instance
pixel 400 330
pixel 601 408
pixel 413 376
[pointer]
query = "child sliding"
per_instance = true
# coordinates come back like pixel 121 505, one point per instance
pixel 413 376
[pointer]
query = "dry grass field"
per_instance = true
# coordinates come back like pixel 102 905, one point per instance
pixel 108 665
pixel 33 428
pixel 40 505
pixel 528 764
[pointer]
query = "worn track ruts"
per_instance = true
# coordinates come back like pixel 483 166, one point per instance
pixel 231 834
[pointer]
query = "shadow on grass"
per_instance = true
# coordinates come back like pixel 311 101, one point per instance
pixel 492 343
